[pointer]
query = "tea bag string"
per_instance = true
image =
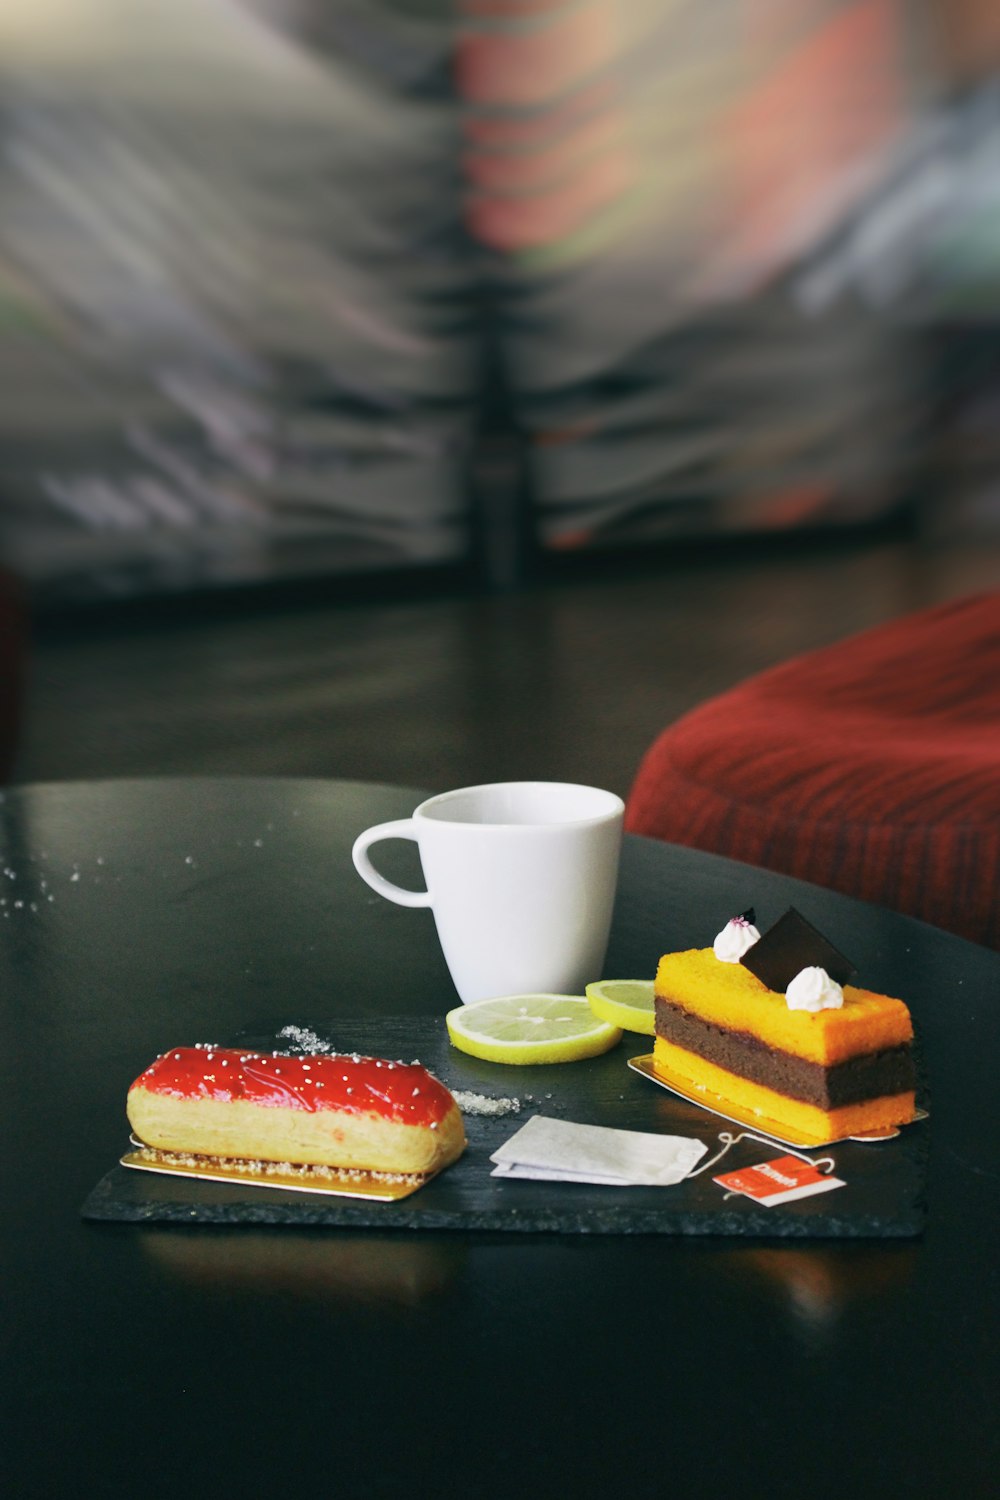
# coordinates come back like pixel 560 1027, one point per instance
pixel 824 1164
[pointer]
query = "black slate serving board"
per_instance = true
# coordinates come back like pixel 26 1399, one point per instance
pixel 884 1195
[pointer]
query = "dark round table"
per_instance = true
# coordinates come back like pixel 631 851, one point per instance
pixel 163 1360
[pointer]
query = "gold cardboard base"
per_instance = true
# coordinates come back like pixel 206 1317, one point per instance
pixel 332 1181
pixel 705 1099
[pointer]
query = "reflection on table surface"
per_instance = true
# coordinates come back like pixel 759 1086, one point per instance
pixel 305 1266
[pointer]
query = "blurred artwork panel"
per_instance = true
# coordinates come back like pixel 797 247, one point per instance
pixel 235 289
pixel 648 180
pixel 276 274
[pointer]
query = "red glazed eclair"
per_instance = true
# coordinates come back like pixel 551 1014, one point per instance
pixel 360 1113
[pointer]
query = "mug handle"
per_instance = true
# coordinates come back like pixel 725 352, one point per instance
pixel 402 829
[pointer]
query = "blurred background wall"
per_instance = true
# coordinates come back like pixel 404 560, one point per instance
pixel 306 287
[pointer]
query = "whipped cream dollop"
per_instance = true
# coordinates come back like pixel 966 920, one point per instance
pixel 813 989
pixel 736 937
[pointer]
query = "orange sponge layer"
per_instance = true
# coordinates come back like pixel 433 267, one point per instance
pixel 722 1087
pixel 729 995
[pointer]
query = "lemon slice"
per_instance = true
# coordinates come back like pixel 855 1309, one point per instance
pixel 530 1029
pixel 627 1003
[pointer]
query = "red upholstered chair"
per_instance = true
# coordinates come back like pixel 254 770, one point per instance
pixel 871 767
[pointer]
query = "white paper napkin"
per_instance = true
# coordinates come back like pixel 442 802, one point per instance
pixel 562 1151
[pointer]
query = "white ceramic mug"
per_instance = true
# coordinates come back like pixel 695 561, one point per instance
pixel 521 877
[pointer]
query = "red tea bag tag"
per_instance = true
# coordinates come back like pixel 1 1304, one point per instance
pixel 779 1181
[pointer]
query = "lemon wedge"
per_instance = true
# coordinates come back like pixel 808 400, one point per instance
pixel 530 1029
pixel 627 1003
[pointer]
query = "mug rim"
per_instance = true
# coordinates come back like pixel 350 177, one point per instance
pixel 615 808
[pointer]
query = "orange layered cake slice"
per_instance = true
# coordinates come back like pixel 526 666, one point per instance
pixel 822 1059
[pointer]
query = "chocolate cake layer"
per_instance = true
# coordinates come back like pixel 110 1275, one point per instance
pixel 870 1076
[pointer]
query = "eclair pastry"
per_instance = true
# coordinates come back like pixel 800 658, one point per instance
pixel 330 1110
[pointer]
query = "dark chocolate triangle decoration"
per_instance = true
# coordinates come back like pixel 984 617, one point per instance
pixel 791 945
